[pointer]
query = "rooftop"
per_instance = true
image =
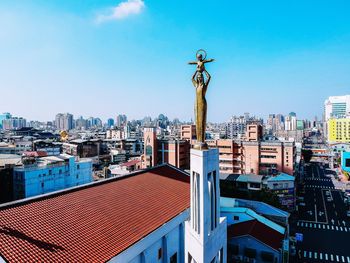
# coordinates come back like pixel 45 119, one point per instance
pixel 281 177
pixel 251 178
pixel 259 231
pixel 95 222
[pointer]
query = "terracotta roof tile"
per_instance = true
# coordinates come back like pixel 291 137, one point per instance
pixel 92 223
pixel 258 230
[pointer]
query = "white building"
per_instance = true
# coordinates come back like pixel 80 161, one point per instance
pixel 336 106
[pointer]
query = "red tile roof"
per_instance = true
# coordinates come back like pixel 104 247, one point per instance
pixel 92 223
pixel 131 163
pixel 258 230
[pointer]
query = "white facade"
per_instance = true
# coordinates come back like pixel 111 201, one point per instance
pixel 336 106
pixel 166 244
pixel 205 232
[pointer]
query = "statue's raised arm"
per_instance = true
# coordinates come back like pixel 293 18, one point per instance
pixel 200 107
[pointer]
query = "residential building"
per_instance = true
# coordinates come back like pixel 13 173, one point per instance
pixel 51 173
pixel 252 237
pixel 83 148
pixel 125 168
pixel 254 132
pixel 236 127
pixel 51 148
pixel 283 185
pixel 188 132
pixel 339 130
pixel 257 157
pixel 15 147
pixel 231 158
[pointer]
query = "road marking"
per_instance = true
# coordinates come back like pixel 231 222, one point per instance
pixel 341 229
pixel 337 258
pixel 320 255
pixel 336 228
pixel 348 259
pixel 310 254
pixel 315 255
pixel 326 256
pixel 331 257
pixel 346 230
pixel 305 252
pixel 342 258
pixel 323 226
pixel 332 228
pixel 327 226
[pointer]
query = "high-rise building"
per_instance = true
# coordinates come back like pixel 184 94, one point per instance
pixel 64 121
pixel 336 107
pixel 110 122
pixel 290 123
pixel 3 117
pixel 121 120
pixel 81 123
pixel 14 123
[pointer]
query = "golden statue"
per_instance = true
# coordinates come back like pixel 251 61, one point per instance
pixel 200 107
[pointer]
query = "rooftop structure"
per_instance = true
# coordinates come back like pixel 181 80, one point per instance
pixel 95 222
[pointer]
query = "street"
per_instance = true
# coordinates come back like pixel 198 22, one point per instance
pixel 322 219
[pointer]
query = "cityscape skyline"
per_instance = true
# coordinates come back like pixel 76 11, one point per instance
pixel 79 52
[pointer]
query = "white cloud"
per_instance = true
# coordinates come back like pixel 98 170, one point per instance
pixel 122 10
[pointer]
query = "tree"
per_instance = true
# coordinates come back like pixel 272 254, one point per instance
pixel 307 155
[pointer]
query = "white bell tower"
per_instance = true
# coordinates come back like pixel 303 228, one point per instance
pixel 205 232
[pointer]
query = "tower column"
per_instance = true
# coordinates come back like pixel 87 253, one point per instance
pixel 205 232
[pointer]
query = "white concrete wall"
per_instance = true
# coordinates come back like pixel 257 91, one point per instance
pixel 169 237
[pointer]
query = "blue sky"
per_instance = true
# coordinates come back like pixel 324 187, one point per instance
pixel 103 58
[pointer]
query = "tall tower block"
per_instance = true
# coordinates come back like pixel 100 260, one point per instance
pixel 205 232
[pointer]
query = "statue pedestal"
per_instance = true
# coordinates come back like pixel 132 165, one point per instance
pixel 206 231
pixel 200 146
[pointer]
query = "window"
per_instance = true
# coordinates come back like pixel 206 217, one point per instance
pixel 78 166
pixel 160 252
pixel 50 172
pixel 173 258
pixel 235 217
pixel 42 184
